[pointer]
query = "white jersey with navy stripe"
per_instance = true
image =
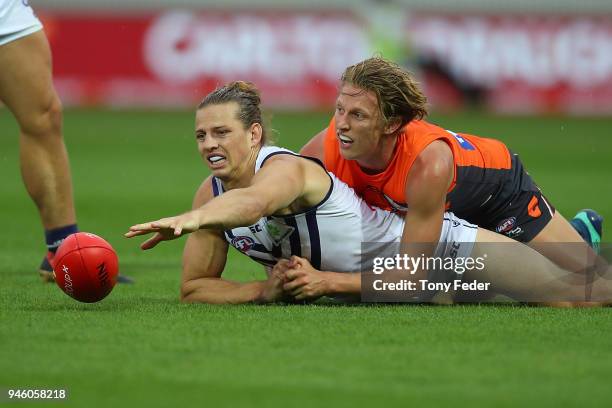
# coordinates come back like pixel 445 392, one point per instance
pixel 330 235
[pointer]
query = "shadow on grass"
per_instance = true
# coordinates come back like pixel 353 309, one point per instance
pixel 328 303
pixel 105 305
pixel 145 266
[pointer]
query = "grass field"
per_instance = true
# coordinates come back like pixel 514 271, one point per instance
pixel 140 347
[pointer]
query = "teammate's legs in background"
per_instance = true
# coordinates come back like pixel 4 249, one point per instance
pixel 26 88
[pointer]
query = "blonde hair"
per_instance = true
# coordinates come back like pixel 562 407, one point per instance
pixel 397 93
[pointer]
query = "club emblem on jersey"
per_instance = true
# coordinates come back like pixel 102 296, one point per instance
pixel 462 142
pixel 506 225
pixel 278 231
pixel 243 244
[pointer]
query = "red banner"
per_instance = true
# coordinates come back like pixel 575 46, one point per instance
pixel 174 58
pixel 523 64
pixel 510 63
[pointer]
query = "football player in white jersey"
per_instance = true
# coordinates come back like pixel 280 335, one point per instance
pixel 26 88
pixel 270 204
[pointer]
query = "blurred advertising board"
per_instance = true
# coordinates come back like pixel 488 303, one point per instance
pixel 508 63
pixel 173 58
pixel 521 63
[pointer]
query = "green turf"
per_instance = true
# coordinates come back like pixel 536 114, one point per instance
pixel 140 347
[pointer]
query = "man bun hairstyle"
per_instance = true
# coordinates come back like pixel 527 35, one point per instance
pixel 397 92
pixel 248 98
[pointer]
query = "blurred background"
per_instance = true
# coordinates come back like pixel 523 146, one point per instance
pixel 528 57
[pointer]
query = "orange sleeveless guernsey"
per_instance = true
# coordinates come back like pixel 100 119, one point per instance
pixel 480 164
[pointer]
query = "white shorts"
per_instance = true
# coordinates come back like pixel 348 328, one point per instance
pixel 457 240
pixel 457 237
pixel 17 19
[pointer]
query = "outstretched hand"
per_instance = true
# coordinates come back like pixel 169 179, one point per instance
pixel 165 229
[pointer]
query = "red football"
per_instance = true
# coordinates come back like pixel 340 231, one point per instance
pixel 86 267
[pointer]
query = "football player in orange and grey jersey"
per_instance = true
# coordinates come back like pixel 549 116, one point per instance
pixel 379 144
pixel 488 185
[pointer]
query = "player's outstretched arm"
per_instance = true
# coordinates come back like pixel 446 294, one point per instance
pixel 279 183
pixel 204 259
pixel 165 229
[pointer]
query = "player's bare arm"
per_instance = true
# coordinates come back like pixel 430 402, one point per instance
pixel 427 185
pixel 426 189
pixel 204 259
pixel 244 206
pixel 315 146
pixel 206 250
pixel 304 282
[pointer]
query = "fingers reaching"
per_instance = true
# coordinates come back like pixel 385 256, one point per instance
pixel 152 242
pixel 140 229
pixel 131 233
pixel 164 229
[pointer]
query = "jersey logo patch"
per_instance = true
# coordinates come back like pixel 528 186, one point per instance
pixel 278 231
pixel 243 244
pixel 462 142
pixel 506 225
pixel 533 209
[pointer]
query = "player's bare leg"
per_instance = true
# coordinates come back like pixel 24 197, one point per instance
pixel 562 244
pixel 26 88
pixel 520 272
